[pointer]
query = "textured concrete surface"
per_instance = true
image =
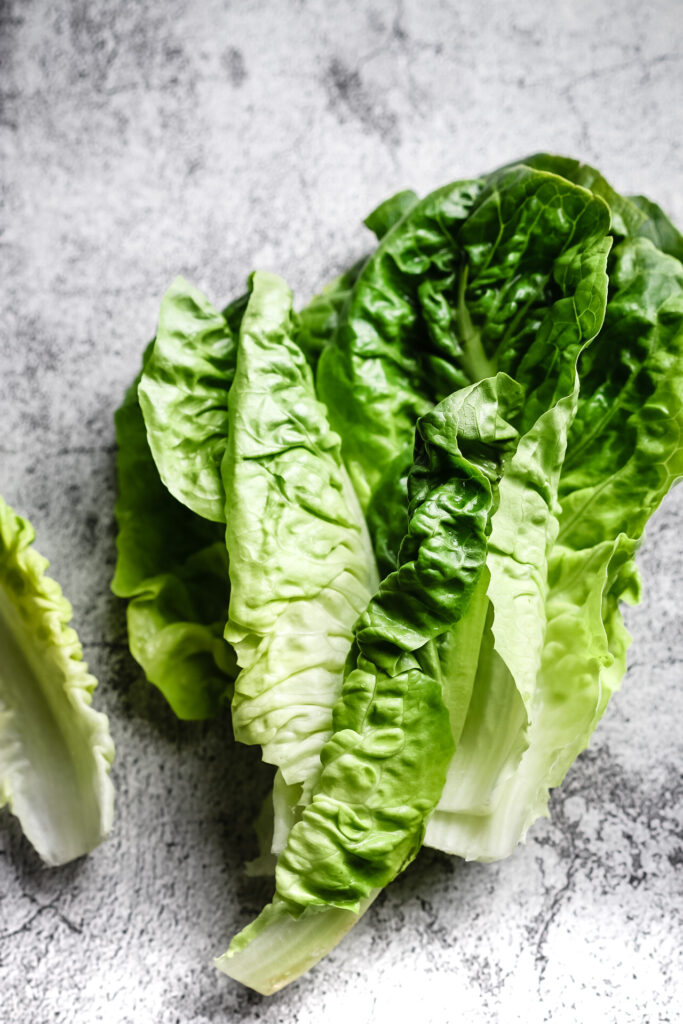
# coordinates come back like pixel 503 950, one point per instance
pixel 209 137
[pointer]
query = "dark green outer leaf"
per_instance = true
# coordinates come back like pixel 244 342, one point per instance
pixel 390 212
pixel 550 310
pixel 624 448
pixel 658 228
pixel 524 526
pixel 457 288
pixel 627 218
pixel 375 380
pixel 632 216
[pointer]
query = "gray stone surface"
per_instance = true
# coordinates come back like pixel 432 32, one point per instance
pixel 143 140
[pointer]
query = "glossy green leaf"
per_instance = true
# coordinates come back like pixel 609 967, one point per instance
pixel 183 395
pixel 457 289
pixel 377 379
pixel 627 218
pixel 623 455
pixel 664 235
pixel 390 212
pixel 524 527
pixel 632 216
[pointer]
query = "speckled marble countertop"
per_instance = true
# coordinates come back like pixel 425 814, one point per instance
pixel 207 138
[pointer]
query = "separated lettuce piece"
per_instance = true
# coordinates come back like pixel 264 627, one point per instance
pixel 183 395
pixel 625 451
pixel 172 566
pixel 301 564
pixel 385 764
pixel 55 749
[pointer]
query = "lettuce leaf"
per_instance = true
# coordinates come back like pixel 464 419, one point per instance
pixel 183 396
pixel 664 235
pixel 172 567
pixel 172 563
pixel 55 749
pixel 632 216
pixel 390 212
pixel 526 275
pixel 346 846
pixel 279 947
pixel 456 289
pixel 376 379
pixel 315 325
pixel 301 565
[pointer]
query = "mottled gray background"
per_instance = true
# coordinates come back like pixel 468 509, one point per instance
pixel 208 138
